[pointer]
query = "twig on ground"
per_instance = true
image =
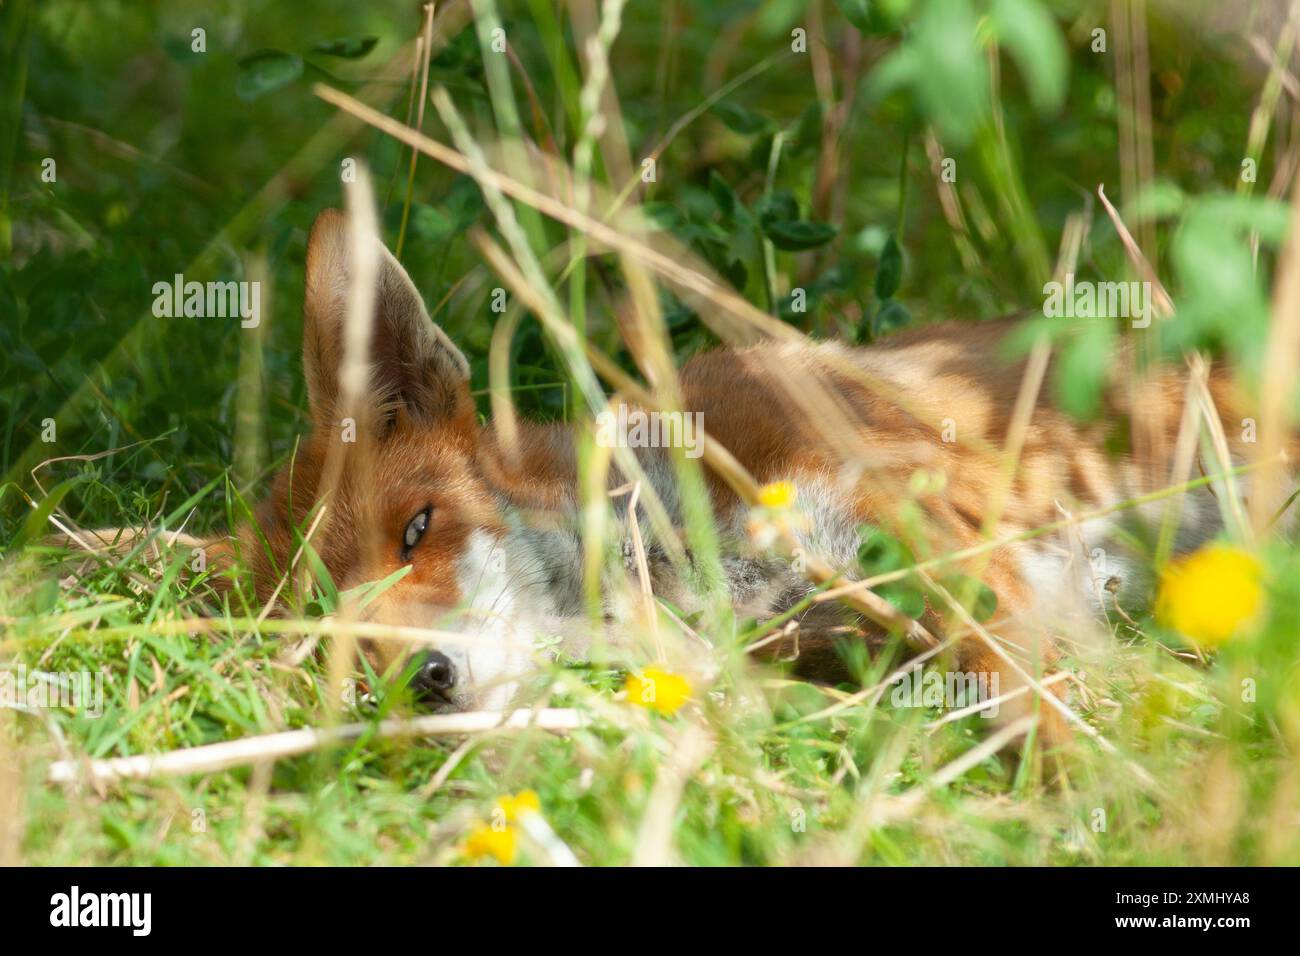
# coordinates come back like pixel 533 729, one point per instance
pixel 211 758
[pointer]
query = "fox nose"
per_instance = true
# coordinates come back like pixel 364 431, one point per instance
pixel 435 677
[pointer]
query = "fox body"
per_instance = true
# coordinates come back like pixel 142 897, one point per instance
pixel 491 530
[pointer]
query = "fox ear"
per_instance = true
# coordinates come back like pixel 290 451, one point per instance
pixel 414 367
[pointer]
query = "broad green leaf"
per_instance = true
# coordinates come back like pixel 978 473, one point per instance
pixel 1082 367
pixel 268 70
pixel 889 275
pixel 1034 41
pixel 807 133
pixel 462 55
pixel 869 16
pixel 665 215
pixel 796 236
pixel 734 271
pixel 1159 200
pixel 942 65
pixel 777 206
pixel 348 48
pixel 906 597
pixel 725 197
pixel 880 552
pixel 739 119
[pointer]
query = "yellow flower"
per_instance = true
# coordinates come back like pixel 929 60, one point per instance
pixel 485 840
pixel 525 801
pixel 778 495
pixel 1210 594
pixel 658 689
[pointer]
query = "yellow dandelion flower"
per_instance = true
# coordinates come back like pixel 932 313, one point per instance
pixel 658 689
pixel 514 807
pixel 1209 595
pixel 778 495
pixel 485 841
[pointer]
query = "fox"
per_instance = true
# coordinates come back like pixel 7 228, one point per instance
pixel 491 531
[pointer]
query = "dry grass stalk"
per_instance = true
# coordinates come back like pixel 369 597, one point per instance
pixel 211 758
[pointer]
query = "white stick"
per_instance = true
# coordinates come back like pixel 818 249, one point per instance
pixel 211 758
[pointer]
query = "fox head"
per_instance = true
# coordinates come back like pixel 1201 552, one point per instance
pixel 401 478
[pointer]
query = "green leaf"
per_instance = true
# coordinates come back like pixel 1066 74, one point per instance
pixel 1034 41
pixel 665 215
pixel 1081 369
pixel 739 119
pixel 807 133
pixel 907 598
pixel 262 72
pixel 37 523
pixel 363 594
pixel 348 48
pixel 867 16
pixel 880 552
pixel 462 55
pixel 777 206
pixel 796 236
pixel 734 271
pixel 725 197
pixel 889 275
pixel 708 238
pixel 943 67
pixel 760 152
pixel 327 597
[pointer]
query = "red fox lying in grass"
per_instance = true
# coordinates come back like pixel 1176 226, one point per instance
pixel 494 546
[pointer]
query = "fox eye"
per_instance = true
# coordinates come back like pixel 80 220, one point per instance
pixel 415 529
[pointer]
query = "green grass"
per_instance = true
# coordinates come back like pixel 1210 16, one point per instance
pixel 163 168
pixel 775 786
